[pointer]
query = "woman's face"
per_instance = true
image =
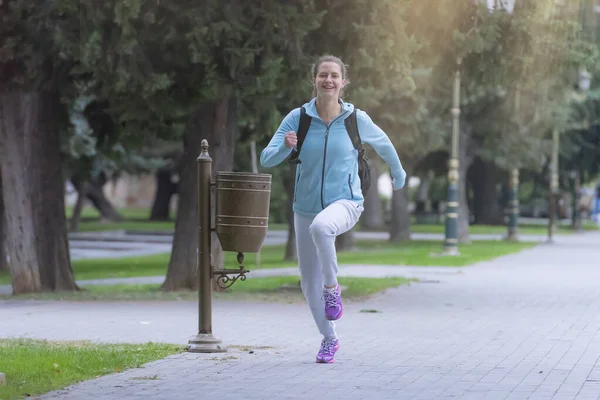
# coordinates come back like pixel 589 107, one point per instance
pixel 329 81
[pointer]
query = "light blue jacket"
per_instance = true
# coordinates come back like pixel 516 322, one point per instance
pixel 329 162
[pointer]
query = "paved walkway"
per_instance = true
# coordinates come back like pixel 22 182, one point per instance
pixel 117 244
pixel 81 249
pixel 524 326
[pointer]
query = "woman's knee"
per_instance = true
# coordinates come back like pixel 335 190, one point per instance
pixel 320 228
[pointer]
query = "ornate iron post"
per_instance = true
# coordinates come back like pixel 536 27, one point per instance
pixel 241 224
pixel 451 225
pixel 513 217
pixel 205 342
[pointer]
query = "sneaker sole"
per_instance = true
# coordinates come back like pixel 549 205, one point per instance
pixel 325 362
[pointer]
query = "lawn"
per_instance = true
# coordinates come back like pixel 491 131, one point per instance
pixel 144 226
pixel 136 219
pixel 370 252
pixel 524 229
pixel 273 289
pixel 134 213
pixel 34 367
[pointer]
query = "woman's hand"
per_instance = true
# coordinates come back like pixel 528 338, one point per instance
pixel 290 140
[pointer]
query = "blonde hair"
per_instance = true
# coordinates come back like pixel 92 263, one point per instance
pixel 330 58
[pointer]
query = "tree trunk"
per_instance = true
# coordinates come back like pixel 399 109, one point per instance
pixel 400 221
pixel 422 200
pixel 165 189
pixel 400 215
pixel 215 122
pixel 288 184
pixel 96 195
pixel 465 161
pixel 94 192
pixel 3 264
pixel 76 217
pixel 346 241
pixel 372 217
pixel 486 206
pixel 30 162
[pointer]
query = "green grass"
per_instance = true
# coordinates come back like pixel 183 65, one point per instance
pixel 280 289
pixel 34 367
pixel 89 212
pixel 417 253
pixel 139 226
pixel 136 219
pixel 500 230
pixel 278 227
pixel 426 253
pixel 168 226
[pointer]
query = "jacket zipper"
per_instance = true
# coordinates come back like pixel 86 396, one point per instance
pixel 350 185
pixel 296 186
pixel 325 157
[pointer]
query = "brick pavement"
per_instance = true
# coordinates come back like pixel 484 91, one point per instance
pixel 523 326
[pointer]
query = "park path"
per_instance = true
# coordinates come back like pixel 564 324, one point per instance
pixel 118 244
pixel 523 326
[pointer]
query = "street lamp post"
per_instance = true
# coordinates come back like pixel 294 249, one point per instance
pixel 585 81
pixel 513 217
pixel 584 84
pixel 513 203
pixel 553 192
pixel 576 223
pixel 451 223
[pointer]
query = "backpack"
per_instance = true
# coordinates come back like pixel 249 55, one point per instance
pixel 364 172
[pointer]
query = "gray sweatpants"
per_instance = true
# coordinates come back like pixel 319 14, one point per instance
pixel 317 258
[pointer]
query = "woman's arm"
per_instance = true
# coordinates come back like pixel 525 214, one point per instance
pixel 373 135
pixel 276 152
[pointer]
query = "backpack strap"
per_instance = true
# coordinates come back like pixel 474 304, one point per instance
pixel 352 129
pixel 303 127
pixel 364 172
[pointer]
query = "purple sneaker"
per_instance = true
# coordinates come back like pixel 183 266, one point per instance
pixel 333 303
pixel 327 352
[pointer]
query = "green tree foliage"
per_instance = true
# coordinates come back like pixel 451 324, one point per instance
pixel 371 37
pixel 515 69
pixel 154 62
